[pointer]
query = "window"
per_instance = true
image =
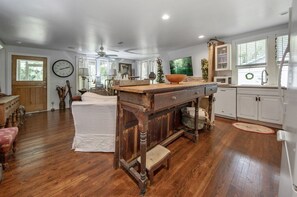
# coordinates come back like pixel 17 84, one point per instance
pixel 281 43
pixel 29 70
pixel 146 67
pixel 251 53
pixel 98 70
pixel 251 61
pixel 103 68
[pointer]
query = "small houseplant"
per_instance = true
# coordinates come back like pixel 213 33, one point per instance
pixel 160 73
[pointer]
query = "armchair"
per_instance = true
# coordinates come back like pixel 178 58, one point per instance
pixel 95 123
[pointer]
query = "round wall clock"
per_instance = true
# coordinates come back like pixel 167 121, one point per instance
pixel 63 68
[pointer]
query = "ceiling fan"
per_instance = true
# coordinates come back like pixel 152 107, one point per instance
pixel 102 53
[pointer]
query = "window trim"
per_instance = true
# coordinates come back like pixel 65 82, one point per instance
pixel 275 45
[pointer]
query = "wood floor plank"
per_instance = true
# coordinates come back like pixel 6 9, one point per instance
pixel 225 162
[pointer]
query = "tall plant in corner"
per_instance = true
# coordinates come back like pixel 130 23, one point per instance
pixel 160 74
pixel 204 68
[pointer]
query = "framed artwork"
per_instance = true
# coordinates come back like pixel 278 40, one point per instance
pixel 181 66
pixel 125 69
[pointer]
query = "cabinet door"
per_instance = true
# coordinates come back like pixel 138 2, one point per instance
pixel 226 102
pixel 247 106
pixel 270 109
pixel 222 57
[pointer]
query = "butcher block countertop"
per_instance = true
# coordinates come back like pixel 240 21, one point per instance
pixel 162 87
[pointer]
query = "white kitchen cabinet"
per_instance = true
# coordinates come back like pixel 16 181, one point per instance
pixel 225 102
pixel 260 104
pixel 247 106
pixel 270 109
pixel 223 57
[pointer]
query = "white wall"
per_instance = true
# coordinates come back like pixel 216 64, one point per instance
pixel 197 53
pixel 2 69
pixel 126 61
pixel 200 51
pixel 52 79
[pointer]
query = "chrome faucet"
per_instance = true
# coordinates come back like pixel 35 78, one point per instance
pixel 262 77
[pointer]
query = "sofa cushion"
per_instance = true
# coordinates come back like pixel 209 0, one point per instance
pixel 7 137
pixel 89 96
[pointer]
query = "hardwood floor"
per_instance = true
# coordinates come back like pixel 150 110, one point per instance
pixel 225 162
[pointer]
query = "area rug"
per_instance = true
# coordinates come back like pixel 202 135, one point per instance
pixel 253 128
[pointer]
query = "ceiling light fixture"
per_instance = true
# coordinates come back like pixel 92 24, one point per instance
pixel 201 36
pixel 165 17
pixel 19 42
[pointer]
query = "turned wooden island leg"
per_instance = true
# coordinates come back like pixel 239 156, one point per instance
pixel 197 103
pixel 143 129
pixel 210 103
pixel 116 160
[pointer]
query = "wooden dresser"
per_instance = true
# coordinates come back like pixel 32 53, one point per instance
pixel 150 115
pixel 8 110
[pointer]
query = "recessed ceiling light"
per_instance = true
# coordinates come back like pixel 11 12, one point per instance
pixel 201 36
pixel 165 17
pixel 19 42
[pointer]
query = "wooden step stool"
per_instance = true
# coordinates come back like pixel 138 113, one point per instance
pixel 155 158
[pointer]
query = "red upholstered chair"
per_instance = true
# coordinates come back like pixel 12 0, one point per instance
pixel 7 142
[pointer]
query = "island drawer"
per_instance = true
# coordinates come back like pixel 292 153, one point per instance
pixel 168 99
pixel 210 89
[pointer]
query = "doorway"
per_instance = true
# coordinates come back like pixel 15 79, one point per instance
pixel 29 80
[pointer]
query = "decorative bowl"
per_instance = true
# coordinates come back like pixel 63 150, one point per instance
pixel 175 78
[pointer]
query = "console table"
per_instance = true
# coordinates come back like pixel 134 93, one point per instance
pixel 150 115
pixel 8 110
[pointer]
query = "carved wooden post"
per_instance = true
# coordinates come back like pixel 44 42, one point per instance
pixel 210 103
pixel 212 43
pixel 197 103
pixel 119 131
pixel 143 129
pixel 9 121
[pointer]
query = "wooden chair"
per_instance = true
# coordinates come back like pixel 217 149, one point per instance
pixel 155 158
pixel 71 98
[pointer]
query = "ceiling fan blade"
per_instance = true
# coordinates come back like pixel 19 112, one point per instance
pixel 111 55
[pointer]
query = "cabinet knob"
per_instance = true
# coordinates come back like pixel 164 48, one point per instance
pixel 173 97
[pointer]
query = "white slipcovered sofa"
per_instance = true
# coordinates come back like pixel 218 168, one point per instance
pixel 95 123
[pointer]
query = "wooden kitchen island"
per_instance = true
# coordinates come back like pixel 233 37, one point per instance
pixel 150 115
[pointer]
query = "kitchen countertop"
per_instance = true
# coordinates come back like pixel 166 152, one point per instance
pixel 249 86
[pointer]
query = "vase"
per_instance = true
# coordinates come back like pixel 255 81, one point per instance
pixel 62 105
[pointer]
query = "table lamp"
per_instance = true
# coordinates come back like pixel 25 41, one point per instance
pixel 83 72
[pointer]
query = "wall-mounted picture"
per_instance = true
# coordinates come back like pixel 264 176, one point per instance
pixel 125 69
pixel 181 66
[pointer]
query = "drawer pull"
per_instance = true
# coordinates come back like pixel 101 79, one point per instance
pixel 173 98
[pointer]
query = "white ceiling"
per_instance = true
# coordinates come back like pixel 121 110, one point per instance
pixel 83 24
